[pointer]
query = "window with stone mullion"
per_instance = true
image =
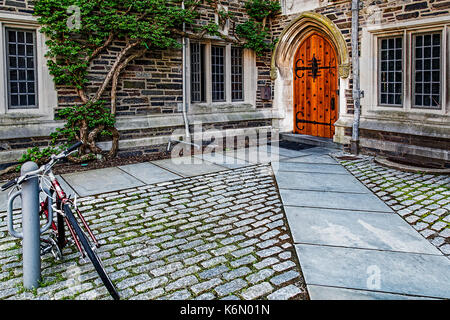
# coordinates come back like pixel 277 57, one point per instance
pixel 197 72
pixel 237 76
pixel 391 71
pixel 21 69
pixel 427 71
pixel 218 73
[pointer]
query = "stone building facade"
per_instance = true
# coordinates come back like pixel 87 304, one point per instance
pixel 405 102
pixel 404 75
pixel 150 92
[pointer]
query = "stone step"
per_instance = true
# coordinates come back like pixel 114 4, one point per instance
pixel 310 140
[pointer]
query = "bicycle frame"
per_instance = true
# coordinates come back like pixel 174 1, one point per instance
pixel 67 214
pixel 61 200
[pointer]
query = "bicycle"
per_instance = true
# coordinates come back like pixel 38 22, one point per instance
pixel 64 207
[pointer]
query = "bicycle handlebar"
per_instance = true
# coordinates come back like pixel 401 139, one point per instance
pixel 74 147
pixel 9 184
pixel 44 168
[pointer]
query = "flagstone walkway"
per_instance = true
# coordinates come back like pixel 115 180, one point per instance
pixel 157 216
pixel 350 244
pixel 422 200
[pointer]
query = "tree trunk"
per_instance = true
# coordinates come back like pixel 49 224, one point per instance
pixel 115 79
pixel 89 138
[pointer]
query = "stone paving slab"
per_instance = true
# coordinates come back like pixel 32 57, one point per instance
pixel 321 151
pixel 400 273
pixel 352 244
pixel 356 229
pixel 333 200
pixel 66 187
pixel 330 293
pixel 290 153
pixel 310 167
pixel 223 160
pixel 149 173
pixel 99 181
pixel 314 158
pixel 188 166
pixel 3 200
pixel 223 236
pixel 319 181
pixel 422 200
pixel 256 155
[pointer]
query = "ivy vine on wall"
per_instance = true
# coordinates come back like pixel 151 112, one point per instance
pixel 79 31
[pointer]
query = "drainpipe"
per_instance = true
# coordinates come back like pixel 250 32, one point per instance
pixel 186 123
pixel 187 140
pixel 356 80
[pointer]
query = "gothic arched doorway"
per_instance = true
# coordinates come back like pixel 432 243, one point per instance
pixel 315 86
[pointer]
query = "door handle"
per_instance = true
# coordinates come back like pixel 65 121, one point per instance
pixel 333 104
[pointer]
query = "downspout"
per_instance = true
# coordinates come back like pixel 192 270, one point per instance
pixel 356 79
pixel 187 139
pixel 186 122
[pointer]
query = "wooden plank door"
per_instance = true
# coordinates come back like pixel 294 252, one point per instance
pixel 315 87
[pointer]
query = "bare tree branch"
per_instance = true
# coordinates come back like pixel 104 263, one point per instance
pixel 101 48
pixel 82 94
pixel 111 72
pixel 115 79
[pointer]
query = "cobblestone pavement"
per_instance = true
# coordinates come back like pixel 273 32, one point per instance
pixel 216 236
pixel 423 200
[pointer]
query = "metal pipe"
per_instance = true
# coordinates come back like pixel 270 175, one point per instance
pixel 356 79
pixel 185 118
pixel 31 228
pixel 185 95
pixel 182 142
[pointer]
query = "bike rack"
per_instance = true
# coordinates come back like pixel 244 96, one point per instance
pixel 31 229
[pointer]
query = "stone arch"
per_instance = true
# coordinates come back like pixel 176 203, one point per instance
pixel 283 60
pixel 299 29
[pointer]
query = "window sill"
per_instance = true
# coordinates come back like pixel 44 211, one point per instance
pixel 391 113
pixel 23 116
pixel 220 107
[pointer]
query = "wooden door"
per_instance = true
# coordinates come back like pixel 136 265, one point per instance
pixel 315 87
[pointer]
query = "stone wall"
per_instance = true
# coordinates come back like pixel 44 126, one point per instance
pixel 372 12
pixel 150 86
pixel 418 140
pixel 418 136
pixel 20 6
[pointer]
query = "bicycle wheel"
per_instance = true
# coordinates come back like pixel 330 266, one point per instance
pixel 91 253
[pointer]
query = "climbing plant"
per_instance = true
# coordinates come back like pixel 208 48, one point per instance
pixel 255 31
pixel 79 31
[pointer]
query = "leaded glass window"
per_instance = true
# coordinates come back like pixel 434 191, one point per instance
pixel 391 71
pixel 197 72
pixel 218 73
pixel 427 70
pixel 237 81
pixel 21 68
